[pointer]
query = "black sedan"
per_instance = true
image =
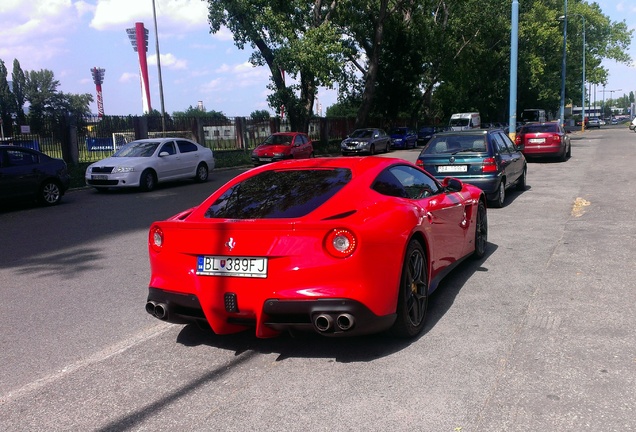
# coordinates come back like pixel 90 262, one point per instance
pixel 27 174
pixel 487 159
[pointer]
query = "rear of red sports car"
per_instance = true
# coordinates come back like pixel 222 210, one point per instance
pixel 307 245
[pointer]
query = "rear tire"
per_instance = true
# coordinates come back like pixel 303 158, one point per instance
pixel 499 200
pixel 413 293
pixel 521 182
pixel 202 173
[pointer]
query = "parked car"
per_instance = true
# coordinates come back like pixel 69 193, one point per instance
pixel 27 174
pixel 632 125
pixel 544 140
pixel 403 138
pixel 144 163
pixel 336 246
pixel 283 145
pixel 579 122
pixel 486 158
pixel 369 141
pixel 594 122
pixel 424 135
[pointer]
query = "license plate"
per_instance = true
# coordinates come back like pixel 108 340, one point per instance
pixel 265 159
pixel 452 168
pixel 255 267
pixel 99 177
pixel 536 140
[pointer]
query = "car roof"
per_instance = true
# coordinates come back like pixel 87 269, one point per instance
pixel 468 132
pixel 357 164
pixel 10 147
pixel 161 139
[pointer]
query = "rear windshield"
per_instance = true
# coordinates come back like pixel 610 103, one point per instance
pixel 279 194
pixel 456 144
pixel 540 128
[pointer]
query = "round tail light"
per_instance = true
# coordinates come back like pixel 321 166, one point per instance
pixel 340 242
pixel 155 238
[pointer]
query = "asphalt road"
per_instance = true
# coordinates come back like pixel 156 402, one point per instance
pixel 539 336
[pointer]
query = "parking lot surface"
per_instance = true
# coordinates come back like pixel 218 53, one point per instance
pixel 538 336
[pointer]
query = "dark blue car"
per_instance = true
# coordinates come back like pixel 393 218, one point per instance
pixel 424 134
pixel 403 138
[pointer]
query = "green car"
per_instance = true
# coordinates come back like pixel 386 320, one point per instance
pixel 487 159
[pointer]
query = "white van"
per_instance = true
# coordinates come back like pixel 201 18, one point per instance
pixel 465 121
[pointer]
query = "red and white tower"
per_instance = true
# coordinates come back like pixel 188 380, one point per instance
pixel 139 39
pixel 98 79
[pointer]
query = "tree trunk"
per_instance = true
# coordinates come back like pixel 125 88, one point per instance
pixel 372 70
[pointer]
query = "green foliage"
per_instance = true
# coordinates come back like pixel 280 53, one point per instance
pixel 292 37
pixel 201 113
pixel 260 115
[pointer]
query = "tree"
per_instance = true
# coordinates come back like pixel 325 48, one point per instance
pixel 7 103
pixel 260 115
pixel 19 91
pixel 293 37
pixel 197 112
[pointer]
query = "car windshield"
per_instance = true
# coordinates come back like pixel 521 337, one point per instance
pixel 398 131
pixel 362 133
pixel 137 149
pixel 278 140
pixel 455 144
pixel 459 122
pixel 540 128
pixel 279 194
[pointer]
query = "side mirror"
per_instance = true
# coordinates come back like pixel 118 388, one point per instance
pixel 452 184
pixel 164 153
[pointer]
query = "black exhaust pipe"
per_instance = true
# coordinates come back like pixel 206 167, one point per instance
pixel 158 310
pixel 150 307
pixel 323 323
pixel 345 321
pixel 161 310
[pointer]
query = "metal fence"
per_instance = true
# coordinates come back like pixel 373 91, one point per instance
pixel 90 139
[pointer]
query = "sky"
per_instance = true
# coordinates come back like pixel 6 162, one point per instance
pixel 69 37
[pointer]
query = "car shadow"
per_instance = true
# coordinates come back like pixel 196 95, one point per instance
pixel 346 349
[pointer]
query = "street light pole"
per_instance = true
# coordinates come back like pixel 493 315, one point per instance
pixel 565 34
pixel 583 82
pixel 163 110
pixel 611 92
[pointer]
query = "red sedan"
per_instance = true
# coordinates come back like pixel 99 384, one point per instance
pixel 283 145
pixel 339 246
pixel 544 140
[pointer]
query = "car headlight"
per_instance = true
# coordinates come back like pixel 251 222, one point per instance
pixel 123 169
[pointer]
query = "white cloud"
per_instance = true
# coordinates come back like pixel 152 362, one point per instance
pixel 168 61
pixel 223 68
pixel 127 77
pixel 172 15
pixel 211 86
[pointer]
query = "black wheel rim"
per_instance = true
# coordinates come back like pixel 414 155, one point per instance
pixel 416 289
